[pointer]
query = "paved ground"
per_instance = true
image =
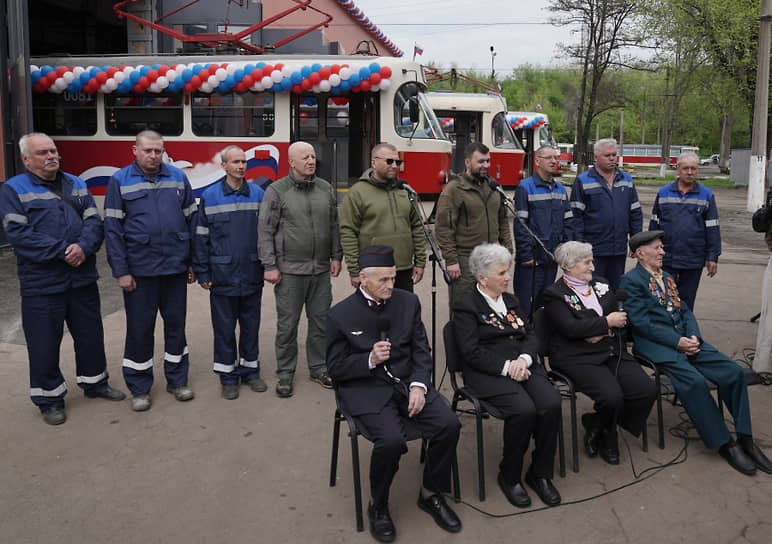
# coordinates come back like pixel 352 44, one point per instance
pixel 256 469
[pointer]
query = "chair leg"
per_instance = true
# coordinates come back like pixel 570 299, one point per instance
pixel 644 439
pixel 660 423
pixel 574 437
pixel 480 458
pixel 335 441
pixel 456 484
pixel 561 449
pixel 357 482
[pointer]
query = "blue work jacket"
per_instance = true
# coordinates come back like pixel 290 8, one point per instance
pixel 225 242
pixel 605 217
pixel 40 225
pixel 148 221
pixel 690 222
pixel 546 211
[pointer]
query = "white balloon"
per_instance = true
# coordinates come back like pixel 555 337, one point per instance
pixel 162 82
pixel 374 88
pixel 154 88
pixel 213 81
pixel 325 86
pixel 257 87
pixel 230 68
pixel 266 82
pixel 315 89
pixel 276 76
pixel 206 87
pixel 128 70
pixel 345 73
pixel 286 72
pixel 171 75
pixel 60 83
pixel 385 84
pixel 78 70
pixel 68 77
pixel 34 67
pixel 334 80
pixel 119 77
pixel 103 88
pixel 221 74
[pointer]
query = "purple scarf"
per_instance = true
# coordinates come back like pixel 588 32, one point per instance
pixel 580 288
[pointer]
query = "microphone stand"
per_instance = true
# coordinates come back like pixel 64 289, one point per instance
pixel 436 259
pixel 508 203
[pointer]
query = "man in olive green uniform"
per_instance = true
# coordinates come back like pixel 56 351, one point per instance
pixel 299 247
pixel 469 213
pixel 377 211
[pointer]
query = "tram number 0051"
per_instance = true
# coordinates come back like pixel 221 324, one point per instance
pixel 76 97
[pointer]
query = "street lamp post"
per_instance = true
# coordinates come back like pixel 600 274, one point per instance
pixel 493 72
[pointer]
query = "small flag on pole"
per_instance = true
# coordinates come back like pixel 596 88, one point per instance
pixel 417 50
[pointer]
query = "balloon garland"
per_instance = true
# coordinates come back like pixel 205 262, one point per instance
pixel 525 121
pixel 212 77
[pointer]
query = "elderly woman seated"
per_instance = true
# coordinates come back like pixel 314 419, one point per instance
pixel 500 366
pixel 587 345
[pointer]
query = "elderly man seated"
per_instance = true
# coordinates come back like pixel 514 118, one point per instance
pixel 379 358
pixel 666 332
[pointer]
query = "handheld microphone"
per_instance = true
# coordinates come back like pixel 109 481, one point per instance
pixel 496 186
pixel 621 295
pixel 402 184
pixel 383 325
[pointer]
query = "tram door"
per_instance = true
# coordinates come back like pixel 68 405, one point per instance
pixel 465 128
pixel 342 130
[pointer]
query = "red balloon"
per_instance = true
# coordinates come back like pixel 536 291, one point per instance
pixel 297 89
pixel 257 73
pixel 248 81
pixel 375 79
pixel 188 88
pixel 279 67
pixel 204 75
pixel 325 72
pixel 267 69
pixel 364 85
pixel 111 71
pixel 195 82
pixel 385 72
pixel 144 82
pixel 152 75
pixel 335 68
pixel 162 70
pixel 355 89
pixel 314 78
pixel 61 70
pixel 138 88
pixel 306 84
pixel 101 77
pixel 51 77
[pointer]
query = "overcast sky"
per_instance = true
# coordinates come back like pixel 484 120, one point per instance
pixel 451 33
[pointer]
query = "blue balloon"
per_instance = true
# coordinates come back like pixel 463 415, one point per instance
pixel 46 69
pixel 316 67
pixel 364 72
pixel 375 68
pixel 238 74
pixel 156 66
pixel 35 76
pixel 94 71
pixel 248 68
pixel 345 85
pixel 354 80
pixel 296 78
pixel 144 70
pixel 230 81
pixel 260 64
pixel 197 68
pixel 84 77
pixel 134 77
pixel 305 71
pixel 187 73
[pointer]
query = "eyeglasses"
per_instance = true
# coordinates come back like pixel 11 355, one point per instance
pixel 548 157
pixel 398 162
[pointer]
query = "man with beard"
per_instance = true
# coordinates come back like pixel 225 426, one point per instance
pixel 470 212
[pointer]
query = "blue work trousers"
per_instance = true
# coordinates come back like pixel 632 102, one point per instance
pixel 533 279
pixel 230 363
pixel 167 294
pixel 43 318
pixel 687 280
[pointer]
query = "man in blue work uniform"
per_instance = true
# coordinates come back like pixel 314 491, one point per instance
pixel 606 210
pixel 688 214
pixel 225 263
pixel 148 209
pixel 542 204
pixel 52 223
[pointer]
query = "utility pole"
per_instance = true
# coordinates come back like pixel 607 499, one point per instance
pixel 493 72
pixel 757 170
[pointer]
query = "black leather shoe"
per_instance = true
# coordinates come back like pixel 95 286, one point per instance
pixel 515 493
pixel 381 526
pixel 544 489
pixel 591 436
pixel 437 508
pixel 737 459
pixel 610 455
pixel 107 392
pixel 54 415
pixel 757 456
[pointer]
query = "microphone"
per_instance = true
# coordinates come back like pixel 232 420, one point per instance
pixel 383 325
pixel 496 186
pixel 402 184
pixel 621 296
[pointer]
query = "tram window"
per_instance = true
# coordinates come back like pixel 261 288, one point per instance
pixel 309 118
pixel 128 114
pixel 503 138
pixel 427 127
pixel 233 114
pixel 338 118
pixel 66 114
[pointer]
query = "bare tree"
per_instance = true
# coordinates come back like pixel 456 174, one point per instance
pixel 607 30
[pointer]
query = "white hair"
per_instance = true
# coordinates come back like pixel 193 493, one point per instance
pixel 486 256
pixel 568 254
